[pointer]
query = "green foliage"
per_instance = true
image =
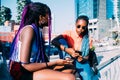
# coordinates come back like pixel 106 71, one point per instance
pixel 93 48
pixel 5 14
pixel 20 6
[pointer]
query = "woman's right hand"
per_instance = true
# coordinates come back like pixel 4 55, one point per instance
pixel 72 52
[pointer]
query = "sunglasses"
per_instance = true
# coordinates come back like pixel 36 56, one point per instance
pixel 79 26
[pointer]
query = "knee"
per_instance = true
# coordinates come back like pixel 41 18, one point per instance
pixel 70 77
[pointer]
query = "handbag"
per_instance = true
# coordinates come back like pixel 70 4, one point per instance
pixel 93 62
pixel 92 59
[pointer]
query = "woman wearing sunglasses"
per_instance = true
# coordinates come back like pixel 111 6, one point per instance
pixel 75 45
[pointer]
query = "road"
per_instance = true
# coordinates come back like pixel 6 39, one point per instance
pixel 103 53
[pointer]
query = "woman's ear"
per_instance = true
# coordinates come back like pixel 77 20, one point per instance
pixel 40 18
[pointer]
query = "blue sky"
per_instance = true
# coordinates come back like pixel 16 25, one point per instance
pixel 63 12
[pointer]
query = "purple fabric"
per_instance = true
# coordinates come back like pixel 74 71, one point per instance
pixel 40 44
pixel 50 28
pixel 22 24
pixel 40 55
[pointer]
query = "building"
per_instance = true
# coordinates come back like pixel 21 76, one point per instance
pixel 109 9
pixel 100 13
pixel 86 7
pixel 117 11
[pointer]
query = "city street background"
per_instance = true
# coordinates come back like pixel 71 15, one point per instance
pixel 104 29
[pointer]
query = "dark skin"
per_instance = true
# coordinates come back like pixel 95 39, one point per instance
pixel 79 31
pixel 40 69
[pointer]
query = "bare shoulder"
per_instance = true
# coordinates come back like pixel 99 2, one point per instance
pixel 28 28
pixel 27 32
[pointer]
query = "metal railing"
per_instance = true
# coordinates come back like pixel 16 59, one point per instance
pixel 110 69
pixel 101 66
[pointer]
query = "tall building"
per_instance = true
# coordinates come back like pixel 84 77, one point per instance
pixel 105 18
pixel 109 9
pixel 117 11
pixel 95 8
pixel 86 7
pixel 100 13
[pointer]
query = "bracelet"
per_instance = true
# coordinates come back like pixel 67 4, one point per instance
pixel 64 48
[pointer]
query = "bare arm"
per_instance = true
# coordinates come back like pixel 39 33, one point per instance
pixel 26 38
pixel 59 45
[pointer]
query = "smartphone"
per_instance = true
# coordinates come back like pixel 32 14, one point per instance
pixel 80 53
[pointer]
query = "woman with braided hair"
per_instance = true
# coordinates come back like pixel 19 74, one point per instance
pixel 28 60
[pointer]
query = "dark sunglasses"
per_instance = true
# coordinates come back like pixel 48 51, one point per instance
pixel 79 26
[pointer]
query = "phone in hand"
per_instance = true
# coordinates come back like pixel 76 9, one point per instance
pixel 80 53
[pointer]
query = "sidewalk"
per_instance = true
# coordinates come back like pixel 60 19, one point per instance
pixel 106 53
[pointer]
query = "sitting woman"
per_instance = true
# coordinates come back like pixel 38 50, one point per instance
pixel 28 60
pixel 78 46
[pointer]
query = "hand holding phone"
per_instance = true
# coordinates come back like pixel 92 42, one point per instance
pixel 80 53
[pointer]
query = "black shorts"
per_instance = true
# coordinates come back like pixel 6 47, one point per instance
pixel 27 75
pixel 20 73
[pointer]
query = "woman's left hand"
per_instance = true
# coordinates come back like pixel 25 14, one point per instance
pixel 63 62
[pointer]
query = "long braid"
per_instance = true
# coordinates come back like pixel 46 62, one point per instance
pixel 31 15
pixel 22 24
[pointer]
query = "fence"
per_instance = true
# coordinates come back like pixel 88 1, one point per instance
pixel 110 70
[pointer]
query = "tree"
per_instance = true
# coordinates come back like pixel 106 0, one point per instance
pixel 5 14
pixel 20 6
